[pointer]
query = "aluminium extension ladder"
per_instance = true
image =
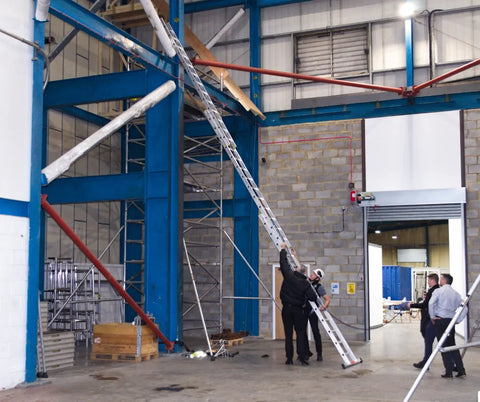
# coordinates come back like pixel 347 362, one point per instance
pixel 265 214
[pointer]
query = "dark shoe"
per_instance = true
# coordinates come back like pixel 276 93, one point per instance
pixel 319 358
pixel 419 365
pixel 309 354
pixel 289 362
pixel 461 374
pixel 303 362
pixel 447 375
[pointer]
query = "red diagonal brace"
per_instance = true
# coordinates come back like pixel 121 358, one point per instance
pixel 399 91
pixel 108 276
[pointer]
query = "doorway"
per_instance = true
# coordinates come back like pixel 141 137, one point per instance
pixel 400 256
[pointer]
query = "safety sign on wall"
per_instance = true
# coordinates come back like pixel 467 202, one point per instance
pixel 350 288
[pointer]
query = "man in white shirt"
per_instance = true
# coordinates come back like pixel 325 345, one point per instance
pixel 442 306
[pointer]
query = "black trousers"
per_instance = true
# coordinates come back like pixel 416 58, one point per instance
pixel 440 327
pixel 313 319
pixel 294 317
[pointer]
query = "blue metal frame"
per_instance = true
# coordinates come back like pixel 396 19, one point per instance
pixel 95 188
pixel 255 52
pixel 246 312
pixel 409 52
pixel 161 213
pixel 35 215
pixel 206 5
pixel 394 107
pixel 96 88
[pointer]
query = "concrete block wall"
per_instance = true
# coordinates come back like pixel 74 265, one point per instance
pixel 305 180
pixel 95 223
pixel 472 181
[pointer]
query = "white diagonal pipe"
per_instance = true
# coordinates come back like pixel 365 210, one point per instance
pixel 231 22
pixel 158 27
pixel 62 164
pixel 41 11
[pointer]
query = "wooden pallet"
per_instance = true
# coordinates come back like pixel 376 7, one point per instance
pixel 228 342
pixel 126 357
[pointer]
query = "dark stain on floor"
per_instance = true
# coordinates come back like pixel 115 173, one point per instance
pixel 173 388
pixel 102 378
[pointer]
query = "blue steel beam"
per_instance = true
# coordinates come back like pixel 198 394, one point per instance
pixel 83 115
pixel 96 188
pixel 96 88
pixel 395 107
pixel 79 17
pixel 232 208
pixel 214 4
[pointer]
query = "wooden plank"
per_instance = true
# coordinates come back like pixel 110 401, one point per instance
pixel 123 357
pixel 124 339
pixel 123 349
pixel 205 54
pixel 109 329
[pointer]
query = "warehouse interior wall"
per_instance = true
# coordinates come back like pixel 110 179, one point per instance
pixel 15 189
pixel 95 223
pixel 305 178
pixel 385 46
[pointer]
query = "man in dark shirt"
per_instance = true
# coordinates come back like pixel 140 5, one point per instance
pixel 314 279
pixel 426 326
pixel 294 293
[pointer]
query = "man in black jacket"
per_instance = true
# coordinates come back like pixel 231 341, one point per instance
pixel 294 293
pixel 426 327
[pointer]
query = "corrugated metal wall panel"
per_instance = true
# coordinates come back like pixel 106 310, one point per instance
pixel 413 212
pixel 348 48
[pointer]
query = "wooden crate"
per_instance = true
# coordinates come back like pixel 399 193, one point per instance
pixel 120 342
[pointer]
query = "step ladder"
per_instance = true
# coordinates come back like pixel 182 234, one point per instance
pixel 265 213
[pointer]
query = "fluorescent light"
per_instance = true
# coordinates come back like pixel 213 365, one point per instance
pixel 394 237
pixel 407 9
pixel 378 231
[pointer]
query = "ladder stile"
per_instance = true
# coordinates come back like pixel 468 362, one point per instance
pixel 265 213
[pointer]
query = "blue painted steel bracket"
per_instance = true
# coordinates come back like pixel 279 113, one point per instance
pixel 395 107
pixel 95 188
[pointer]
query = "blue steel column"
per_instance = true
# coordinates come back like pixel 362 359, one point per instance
pixel 176 17
pixel 34 249
pixel 409 51
pixel 163 227
pixel 255 52
pixel 246 235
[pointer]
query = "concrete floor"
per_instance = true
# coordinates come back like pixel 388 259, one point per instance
pixel 258 373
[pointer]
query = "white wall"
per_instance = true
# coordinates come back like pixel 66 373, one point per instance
pixel 456 247
pixel 413 152
pixel 375 283
pixel 16 107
